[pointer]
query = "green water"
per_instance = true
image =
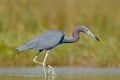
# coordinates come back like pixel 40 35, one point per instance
pixel 69 77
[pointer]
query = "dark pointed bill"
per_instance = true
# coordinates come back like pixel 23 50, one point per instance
pixel 97 38
pixel 92 35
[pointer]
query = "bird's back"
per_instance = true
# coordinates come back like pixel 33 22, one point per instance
pixel 45 40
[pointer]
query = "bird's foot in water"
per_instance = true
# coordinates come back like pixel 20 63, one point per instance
pixel 51 71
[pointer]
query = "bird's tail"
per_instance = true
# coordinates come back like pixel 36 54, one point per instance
pixel 24 47
pixel 20 48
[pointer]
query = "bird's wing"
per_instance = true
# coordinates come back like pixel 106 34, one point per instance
pixel 46 40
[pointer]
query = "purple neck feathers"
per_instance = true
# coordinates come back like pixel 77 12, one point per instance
pixel 75 35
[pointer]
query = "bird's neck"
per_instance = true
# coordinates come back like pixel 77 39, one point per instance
pixel 75 36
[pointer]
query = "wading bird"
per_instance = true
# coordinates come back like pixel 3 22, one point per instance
pixel 50 39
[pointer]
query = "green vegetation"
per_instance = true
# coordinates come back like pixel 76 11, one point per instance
pixel 21 20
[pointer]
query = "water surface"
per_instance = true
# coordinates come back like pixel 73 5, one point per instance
pixel 63 73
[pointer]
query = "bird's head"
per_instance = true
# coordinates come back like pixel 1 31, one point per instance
pixel 84 29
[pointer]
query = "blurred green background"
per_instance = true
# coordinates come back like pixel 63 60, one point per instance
pixel 21 20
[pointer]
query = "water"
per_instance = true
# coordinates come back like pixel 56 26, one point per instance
pixel 63 73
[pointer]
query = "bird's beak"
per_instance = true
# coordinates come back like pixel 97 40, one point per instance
pixel 97 38
pixel 92 35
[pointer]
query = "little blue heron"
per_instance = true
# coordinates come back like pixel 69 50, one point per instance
pixel 50 39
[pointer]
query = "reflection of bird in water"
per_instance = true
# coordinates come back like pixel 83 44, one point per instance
pixel 50 39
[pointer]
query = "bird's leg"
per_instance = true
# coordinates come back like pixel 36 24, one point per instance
pixel 34 60
pixel 51 70
pixel 43 64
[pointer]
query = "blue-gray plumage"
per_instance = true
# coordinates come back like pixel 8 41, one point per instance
pixel 50 39
pixel 44 41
